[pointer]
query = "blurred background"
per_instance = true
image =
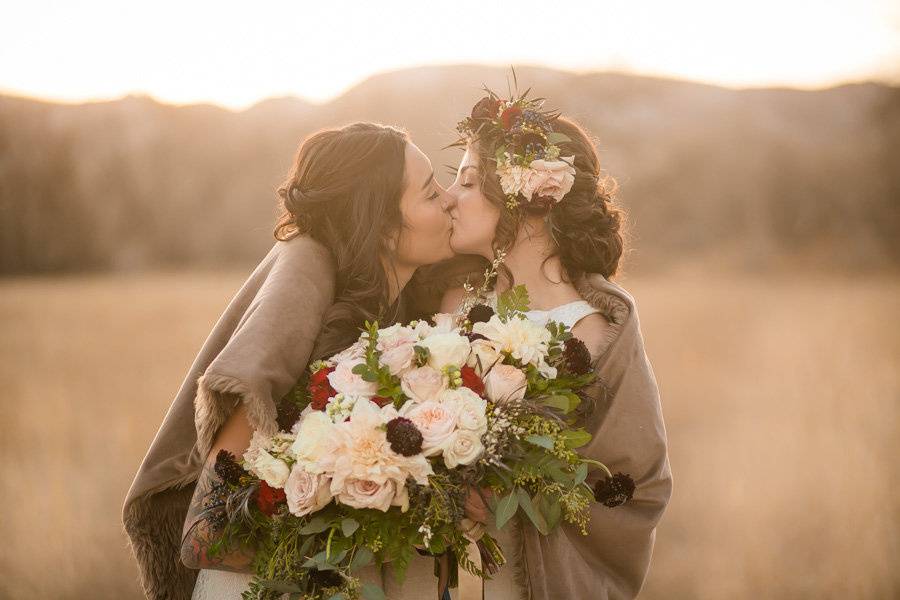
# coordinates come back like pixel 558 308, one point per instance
pixel 757 150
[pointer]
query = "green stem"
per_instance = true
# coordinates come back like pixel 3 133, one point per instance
pixel 328 543
pixel 599 464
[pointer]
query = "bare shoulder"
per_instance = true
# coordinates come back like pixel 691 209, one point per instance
pixel 453 297
pixel 592 330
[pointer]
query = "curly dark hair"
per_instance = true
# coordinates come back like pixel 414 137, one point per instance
pixel 587 225
pixel 344 191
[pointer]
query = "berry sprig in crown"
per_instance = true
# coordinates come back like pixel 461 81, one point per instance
pixel 528 159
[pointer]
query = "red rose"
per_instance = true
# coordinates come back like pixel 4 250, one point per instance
pixel 381 400
pixel 320 388
pixel 509 116
pixel 268 498
pixel 486 108
pixel 471 380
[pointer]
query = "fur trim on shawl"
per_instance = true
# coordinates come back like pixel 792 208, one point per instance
pixel 256 352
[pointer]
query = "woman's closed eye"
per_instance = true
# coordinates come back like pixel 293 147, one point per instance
pixel 434 195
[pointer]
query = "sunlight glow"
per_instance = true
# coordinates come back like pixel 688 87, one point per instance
pixel 236 54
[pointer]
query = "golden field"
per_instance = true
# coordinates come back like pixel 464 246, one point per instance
pixel 781 397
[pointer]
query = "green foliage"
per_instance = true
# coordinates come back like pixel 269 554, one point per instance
pixel 512 301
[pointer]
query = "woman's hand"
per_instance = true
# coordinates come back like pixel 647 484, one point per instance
pixel 476 508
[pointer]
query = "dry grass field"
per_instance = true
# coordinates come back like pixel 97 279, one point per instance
pixel 781 399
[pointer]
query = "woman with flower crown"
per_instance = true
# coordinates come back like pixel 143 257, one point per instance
pixel 530 199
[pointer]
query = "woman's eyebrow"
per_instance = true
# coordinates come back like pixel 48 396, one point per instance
pixel 427 181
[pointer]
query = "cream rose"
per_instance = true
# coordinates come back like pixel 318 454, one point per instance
pixel 435 420
pixel 357 350
pixel 270 469
pixel 552 179
pixel 398 359
pixel 505 383
pixel 469 406
pixel 396 344
pixel 422 384
pixel 367 493
pixel 462 448
pixel 306 492
pixel 483 356
pixel 314 436
pixel 445 349
pixel 344 380
pixel 443 323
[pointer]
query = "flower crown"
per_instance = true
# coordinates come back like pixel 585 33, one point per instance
pixel 526 151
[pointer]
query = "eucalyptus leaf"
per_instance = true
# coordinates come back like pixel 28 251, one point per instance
pixel 348 526
pixel 575 438
pixel 316 525
pixel 581 473
pixel 370 591
pixel 540 440
pixel 284 587
pixel 536 517
pixel 558 401
pixel 316 560
pixel 555 137
pixel 361 558
pixel 552 513
pixel 559 476
pixel 506 508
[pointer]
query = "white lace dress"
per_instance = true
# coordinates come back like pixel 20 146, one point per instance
pixel 420 582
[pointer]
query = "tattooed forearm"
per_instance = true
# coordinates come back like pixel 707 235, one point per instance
pixel 203 526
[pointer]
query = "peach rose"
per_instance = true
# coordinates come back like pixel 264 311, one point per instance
pixel 435 420
pixel 345 381
pixel 505 383
pixel 367 493
pixel 306 492
pixel 422 384
pixel 549 179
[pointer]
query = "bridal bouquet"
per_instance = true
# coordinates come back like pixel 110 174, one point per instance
pixel 391 436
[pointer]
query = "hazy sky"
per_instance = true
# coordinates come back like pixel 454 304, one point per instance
pixel 236 53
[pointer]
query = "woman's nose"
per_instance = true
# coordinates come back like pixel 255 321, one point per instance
pixel 448 202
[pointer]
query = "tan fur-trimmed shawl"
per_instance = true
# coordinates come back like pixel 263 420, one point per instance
pixel 629 435
pixel 255 353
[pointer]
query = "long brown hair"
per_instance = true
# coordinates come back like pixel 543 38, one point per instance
pixel 344 191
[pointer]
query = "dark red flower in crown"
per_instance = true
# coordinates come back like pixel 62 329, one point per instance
pixel 471 380
pixel 508 117
pixel 320 389
pixel 268 498
pixel 486 108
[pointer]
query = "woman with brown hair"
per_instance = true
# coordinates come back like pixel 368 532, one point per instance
pixel 360 211
pixel 530 198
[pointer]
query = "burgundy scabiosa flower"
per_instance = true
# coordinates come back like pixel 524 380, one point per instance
pixel 614 491
pixel 404 437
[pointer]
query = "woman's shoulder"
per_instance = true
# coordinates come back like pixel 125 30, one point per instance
pixel 616 309
pixel 613 301
pixel 303 247
pixel 452 298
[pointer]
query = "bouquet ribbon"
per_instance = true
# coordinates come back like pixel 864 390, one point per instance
pixel 471 586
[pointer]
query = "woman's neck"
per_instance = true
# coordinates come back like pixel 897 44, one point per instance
pixel 543 280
